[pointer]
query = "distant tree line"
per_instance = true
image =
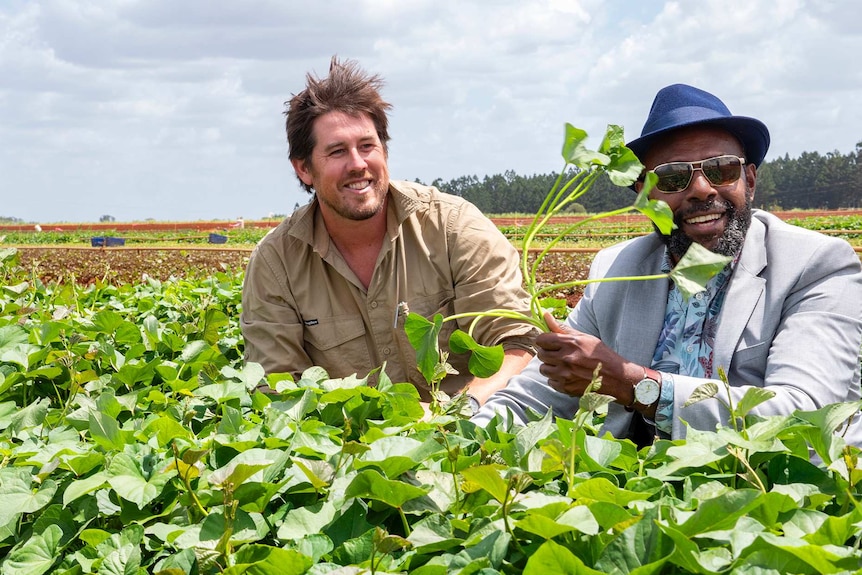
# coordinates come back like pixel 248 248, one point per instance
pixel 811 181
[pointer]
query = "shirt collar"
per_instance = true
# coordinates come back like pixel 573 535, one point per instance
pixel 309 227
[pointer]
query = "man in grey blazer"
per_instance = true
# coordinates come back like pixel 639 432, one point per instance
pixel 785 314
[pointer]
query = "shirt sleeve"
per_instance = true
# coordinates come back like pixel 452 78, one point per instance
pixel 664 409
pixel 271 327
pixel 487 275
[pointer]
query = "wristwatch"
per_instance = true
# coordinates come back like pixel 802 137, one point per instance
pixel 647 390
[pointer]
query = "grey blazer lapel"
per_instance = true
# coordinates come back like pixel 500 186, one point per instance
pixel 643 309
pixel 744 292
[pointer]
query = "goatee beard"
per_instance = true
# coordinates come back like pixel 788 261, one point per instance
pixel 730 242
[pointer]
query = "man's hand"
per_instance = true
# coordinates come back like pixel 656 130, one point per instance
pixel 569 358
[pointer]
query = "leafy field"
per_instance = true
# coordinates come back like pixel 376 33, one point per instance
pixel 133 439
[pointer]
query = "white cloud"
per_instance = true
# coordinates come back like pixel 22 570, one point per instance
pixel 173 110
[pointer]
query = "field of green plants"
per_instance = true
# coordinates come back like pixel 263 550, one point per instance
pixel 133 439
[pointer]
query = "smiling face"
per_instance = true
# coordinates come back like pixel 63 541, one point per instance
pixel 347 167
pixel 717 217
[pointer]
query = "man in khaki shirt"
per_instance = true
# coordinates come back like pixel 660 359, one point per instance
pixel 331 285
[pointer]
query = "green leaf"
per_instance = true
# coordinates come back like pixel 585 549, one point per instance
pixel 580 518
pixel 214 321
pixel 542 526
pixel 371 484
pixel 552 557
pixel 613 141
pixel 592 402
pixel 703 391
pixel 314 518
pixel 488 478
pixel 12 335
pixel 686 553
pixel 830 417
pixel 223 391
pixel 166 430
pixel 107 433
pixel 624 167
pixel 600 489
pixel 123 561
pixel 656 210
pixel 557 306
pixel 432 533
pixel 788 555
pixel 128 480
pixel 696 268
pixel 265 560
pixel 81 487
pixel 395 455
pixel 251 374
pixel 106 321
pixel 17 494
pixel 753 397
pixel 721 512
pixel 30 416
pixel 386 543
pixel 236 473
pixel 423 335
pixel 36 555
pixel 484 361
pixel 575 151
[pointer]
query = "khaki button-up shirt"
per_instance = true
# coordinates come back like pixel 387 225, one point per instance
pixel 303 306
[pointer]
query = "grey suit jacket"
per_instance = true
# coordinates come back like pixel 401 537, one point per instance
pixel 791 321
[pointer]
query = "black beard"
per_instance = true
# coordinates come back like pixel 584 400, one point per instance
pixel 730 242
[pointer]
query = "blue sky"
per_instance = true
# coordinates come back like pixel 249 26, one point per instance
pixel 173 110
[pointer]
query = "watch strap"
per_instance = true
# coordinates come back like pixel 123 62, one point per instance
pixel 631 407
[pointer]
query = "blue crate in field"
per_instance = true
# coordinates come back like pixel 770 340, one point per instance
pixel 218 239
pixel 106 242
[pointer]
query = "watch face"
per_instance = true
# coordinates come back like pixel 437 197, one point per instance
pixel 647 391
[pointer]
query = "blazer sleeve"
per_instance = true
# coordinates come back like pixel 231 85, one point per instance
pixel 801 338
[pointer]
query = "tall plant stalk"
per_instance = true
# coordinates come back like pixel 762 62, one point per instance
pixel 582 168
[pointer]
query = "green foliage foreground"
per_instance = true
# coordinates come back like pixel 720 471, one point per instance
pixel 134 440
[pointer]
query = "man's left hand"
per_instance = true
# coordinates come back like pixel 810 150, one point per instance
pixel 570 357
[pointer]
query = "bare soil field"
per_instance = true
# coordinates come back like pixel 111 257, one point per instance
pixel 129 265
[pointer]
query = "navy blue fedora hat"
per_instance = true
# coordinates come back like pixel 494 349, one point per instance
pixel 679 106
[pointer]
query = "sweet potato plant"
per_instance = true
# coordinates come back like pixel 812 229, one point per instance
pixel 582 168
pixel 133 439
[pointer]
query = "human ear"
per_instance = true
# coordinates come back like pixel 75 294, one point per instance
pixel 302 171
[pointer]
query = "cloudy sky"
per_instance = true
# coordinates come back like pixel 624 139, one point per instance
pixel 172 109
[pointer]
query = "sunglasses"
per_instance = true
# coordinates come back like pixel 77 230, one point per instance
pixel 676 176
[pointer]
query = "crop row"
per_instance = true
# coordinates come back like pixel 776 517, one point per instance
pixel 134 439
pixel 599 234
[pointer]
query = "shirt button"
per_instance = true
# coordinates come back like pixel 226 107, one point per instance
pixel 386 351
pixel 699 295
pixel 374 305
pixel 689 349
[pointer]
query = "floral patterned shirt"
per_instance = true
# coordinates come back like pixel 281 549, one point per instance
pixel 685 345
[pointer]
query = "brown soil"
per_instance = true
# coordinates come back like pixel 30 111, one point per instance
pixel 128 265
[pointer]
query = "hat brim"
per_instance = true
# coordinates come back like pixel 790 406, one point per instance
pixel 752 134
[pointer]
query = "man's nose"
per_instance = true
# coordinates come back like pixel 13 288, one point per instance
pixel 357 160
pixel 700 187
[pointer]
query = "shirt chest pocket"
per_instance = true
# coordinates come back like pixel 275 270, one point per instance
pixel 337 344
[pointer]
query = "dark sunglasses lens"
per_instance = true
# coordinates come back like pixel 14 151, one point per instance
pixel 673 177
pixel 722 170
